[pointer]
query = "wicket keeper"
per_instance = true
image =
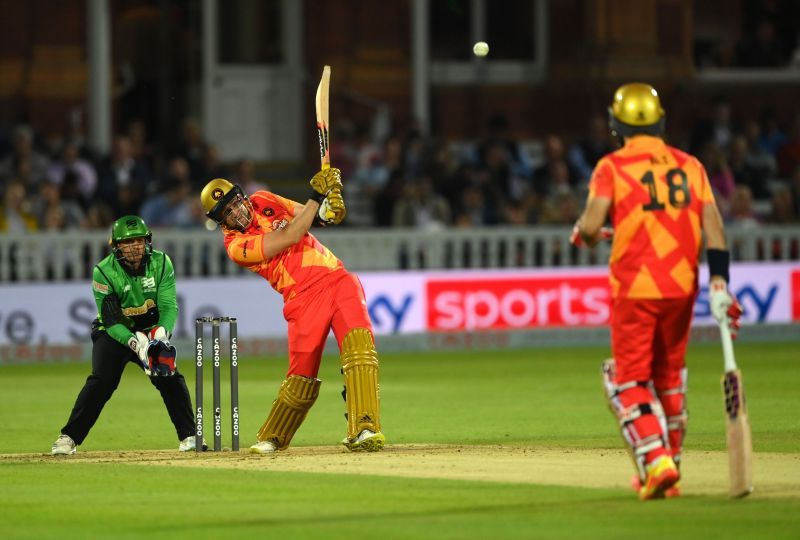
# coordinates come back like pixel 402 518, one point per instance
pixel 134 289
pixel 269 235
pixel 660 203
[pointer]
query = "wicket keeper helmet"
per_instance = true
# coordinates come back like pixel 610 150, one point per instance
pixel 217 197
pixel 636 109
pixel 128 227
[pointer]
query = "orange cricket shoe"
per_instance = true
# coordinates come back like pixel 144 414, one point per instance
pixel 662 475
pixel 669 493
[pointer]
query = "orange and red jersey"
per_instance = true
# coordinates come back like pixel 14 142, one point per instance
pixel 658 194
pixel 293 269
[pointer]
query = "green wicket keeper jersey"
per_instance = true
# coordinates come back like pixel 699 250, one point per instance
pixel 145 300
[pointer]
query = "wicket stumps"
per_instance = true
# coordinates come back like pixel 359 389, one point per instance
pixel 215 343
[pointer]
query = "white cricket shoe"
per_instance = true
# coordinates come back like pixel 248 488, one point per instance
pixel 264 447
pixel 63 446
pixel 190 443
pixel 367 441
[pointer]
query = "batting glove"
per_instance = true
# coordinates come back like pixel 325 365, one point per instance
pixel 332 210
pixel 724 306
pixel 324 182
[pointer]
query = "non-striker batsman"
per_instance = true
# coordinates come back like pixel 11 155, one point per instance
pixel 661 205
pixel 268 234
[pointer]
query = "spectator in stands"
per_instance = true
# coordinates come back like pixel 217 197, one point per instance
pixel 783 211
pixel 498 134
pixel 122 181
pixel 99 216
pixel 84 172
pixel 585 154
pixel 16 215
pixel 421 207
pixel 741 213
pixel 771 137
pixel 172 207
pixel 544 175
pixel 50 209
pixel 212 164
pixel 244 175
pixel 789 152
pixel 141 150
pixel 25 163
pixel 473 210
pixel 718 128
pixel 192 148
pixel 719 175
pixel 794 186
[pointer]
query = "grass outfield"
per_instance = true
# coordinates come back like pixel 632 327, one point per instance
pixel 514 444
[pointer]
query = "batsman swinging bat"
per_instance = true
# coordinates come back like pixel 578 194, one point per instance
pixel 737 426
pixel 323 119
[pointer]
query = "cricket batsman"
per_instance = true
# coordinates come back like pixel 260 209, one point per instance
pixel 134 289
pixel 269 235
pixel 660 204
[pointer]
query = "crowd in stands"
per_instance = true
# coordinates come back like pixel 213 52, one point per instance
pixel 401 180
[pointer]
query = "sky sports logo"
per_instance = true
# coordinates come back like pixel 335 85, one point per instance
pixel 517 303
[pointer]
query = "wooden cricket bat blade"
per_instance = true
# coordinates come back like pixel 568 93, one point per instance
pixel 739 438
pixel 323 117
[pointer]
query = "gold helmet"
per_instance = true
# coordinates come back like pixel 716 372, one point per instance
pixel 220 197
pixel 636 109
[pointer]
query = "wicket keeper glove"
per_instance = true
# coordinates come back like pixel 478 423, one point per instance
pixel 138 343
pixel 160 359
pixel 159 333
pixel 324 182
pixel 724 306
pixel 606 233
pixel 332 209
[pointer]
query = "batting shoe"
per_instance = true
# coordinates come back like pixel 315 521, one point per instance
pixel 64 446
pixel 662 474
pixel 669 493
pixel 190 443
pixel 264 447
pixel 367 441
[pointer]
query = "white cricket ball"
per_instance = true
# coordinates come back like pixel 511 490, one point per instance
pixel 481 48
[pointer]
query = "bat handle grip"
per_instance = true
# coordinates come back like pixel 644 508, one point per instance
pixel 727 346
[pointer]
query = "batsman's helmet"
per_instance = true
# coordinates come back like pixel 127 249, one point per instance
pixel 128 227
pixel 636 109
pixel 217 196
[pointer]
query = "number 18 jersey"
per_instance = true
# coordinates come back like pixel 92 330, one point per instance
pixel 658 193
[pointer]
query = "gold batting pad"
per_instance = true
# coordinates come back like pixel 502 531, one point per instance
pixel 295 397
pixel 360 369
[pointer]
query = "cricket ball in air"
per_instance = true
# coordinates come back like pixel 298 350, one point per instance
pixel 481 48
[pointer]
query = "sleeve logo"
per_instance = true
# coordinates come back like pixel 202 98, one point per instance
pixel 100 287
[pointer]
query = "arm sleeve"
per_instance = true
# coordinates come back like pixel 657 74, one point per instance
pixel 246 250
pixel 293 207
pixel 602 182
pixel 706 193
pixel 167 297
pixel 101 288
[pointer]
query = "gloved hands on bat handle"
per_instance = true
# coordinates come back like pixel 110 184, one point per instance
pixel 332 209
pixel 724 307
pixel 324 182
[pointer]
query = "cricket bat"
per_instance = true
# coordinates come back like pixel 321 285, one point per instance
pixel 323 118
pixel 737 426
